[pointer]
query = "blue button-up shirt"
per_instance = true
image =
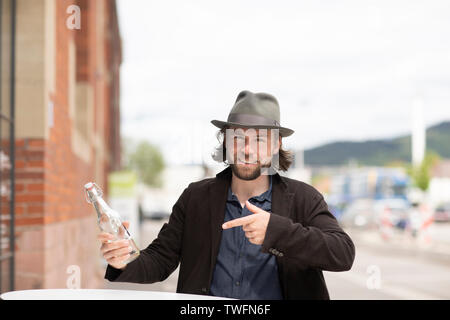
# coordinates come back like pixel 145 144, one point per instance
pixel 242 271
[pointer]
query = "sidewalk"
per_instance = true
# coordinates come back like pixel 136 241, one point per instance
pixel 435 244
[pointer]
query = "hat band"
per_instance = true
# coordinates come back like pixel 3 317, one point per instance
pixel 251 120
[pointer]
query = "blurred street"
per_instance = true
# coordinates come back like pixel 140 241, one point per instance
pixel 381 270
pixel 386 270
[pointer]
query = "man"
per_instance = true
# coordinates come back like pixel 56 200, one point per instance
pixel 248 233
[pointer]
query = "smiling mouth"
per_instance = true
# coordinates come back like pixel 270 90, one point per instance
pixel 246 162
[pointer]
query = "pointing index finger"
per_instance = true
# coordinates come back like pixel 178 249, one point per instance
pixel 238 222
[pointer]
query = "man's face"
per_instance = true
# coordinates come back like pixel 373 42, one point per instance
pixel 250 150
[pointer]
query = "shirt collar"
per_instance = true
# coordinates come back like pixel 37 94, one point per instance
pixel 265 196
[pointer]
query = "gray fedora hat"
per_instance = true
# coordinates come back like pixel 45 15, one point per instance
pixel 255 110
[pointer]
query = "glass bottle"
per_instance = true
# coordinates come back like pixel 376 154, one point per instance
pixel 108 219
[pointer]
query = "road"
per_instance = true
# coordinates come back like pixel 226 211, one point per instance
pixel 383 274
pixel 377 273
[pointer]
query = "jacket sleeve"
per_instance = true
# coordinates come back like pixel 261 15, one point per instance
pixel 161 257
pixel 318 243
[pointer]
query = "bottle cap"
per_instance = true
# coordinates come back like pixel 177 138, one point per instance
pixel 89 186
pixel 92 191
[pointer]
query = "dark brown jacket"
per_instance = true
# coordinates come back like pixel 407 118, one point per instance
pixel 302 233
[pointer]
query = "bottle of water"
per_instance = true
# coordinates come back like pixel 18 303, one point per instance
pixel 109 220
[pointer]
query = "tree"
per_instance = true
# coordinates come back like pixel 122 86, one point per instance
pixel 148 162
pixel 420 175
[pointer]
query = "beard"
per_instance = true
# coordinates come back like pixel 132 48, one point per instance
pixel 248 173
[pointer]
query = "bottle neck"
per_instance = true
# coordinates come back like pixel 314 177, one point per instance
pixel 103 205
pixel 105 208
pixel 100 205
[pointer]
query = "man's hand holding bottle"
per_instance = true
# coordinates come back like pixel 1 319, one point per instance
pixel 115 252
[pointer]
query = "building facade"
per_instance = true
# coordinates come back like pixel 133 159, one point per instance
pixel 67 132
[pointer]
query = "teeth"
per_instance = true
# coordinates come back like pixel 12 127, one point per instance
pixel 240 161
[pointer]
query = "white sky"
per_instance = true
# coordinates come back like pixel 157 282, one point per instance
pixel 341 70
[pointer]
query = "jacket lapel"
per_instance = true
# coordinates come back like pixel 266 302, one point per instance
pixel 217 202
pixel 281 197
pixel 281 205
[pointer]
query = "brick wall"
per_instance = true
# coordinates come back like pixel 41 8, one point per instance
pixel 55 227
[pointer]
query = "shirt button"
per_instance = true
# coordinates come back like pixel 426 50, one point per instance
pixel 238 283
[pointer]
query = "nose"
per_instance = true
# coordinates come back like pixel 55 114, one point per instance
pixel 250 149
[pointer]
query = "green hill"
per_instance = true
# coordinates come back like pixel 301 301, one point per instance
pixel 378 152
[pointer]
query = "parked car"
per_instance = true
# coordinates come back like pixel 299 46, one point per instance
pixel 152 214
pixel 442 213
pixel 358 214
pixel 157 215
pixel 154 208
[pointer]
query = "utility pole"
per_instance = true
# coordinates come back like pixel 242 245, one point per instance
pixel 418 134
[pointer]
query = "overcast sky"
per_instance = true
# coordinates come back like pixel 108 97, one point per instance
pixel 341 70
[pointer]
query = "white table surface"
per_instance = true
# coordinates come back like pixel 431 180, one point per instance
pixel 100 294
